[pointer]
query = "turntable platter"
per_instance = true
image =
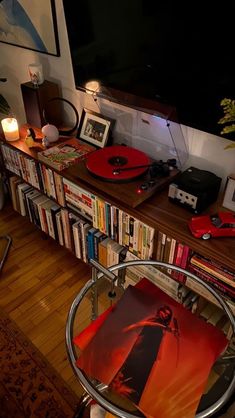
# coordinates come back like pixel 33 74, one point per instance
pixel 115 163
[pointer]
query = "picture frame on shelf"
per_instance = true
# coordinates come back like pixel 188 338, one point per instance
pixel 229 194
pixel 25 24
pixel 95 128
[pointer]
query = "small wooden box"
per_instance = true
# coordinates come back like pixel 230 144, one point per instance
pixel 37 99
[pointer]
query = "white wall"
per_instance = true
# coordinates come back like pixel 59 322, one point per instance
pixel 135 128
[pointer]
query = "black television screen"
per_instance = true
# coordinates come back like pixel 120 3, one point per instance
pixel 149 53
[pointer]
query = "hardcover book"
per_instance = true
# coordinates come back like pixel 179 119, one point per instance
pixel 149 349
pixel 214 268
pixel 63 155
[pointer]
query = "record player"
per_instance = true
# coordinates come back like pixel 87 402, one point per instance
pixel 124 173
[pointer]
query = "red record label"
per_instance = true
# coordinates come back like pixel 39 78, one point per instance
pixel 115 163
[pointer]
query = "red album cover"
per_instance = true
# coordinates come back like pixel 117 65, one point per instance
pixel 152 350
pixel 88 333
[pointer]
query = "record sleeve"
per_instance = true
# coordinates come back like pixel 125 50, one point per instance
pixel 163 378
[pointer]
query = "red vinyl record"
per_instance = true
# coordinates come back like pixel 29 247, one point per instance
pixel 115 163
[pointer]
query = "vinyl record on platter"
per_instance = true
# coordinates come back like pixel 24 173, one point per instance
pixel 105 163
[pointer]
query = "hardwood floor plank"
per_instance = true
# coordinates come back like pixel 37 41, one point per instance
pixel 38 283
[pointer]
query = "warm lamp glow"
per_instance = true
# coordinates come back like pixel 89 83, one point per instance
pixel 92 87
pixel 10 129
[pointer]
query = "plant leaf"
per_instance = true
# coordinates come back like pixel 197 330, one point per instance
pixel 230 146
pixel 4 106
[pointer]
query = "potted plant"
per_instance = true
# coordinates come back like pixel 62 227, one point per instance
pixel 228 119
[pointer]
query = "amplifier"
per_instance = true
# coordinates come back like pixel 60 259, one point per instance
pixel 195 189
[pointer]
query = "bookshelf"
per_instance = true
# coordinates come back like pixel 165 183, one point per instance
pixel 157 213
pixel 164 215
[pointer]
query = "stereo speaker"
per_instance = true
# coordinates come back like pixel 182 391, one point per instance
pixel 36 99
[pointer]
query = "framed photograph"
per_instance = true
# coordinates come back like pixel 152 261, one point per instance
pixel 30 24
pixel 229 194
pixel 95 128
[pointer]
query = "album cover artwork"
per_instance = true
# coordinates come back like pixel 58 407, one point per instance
pixel 153 351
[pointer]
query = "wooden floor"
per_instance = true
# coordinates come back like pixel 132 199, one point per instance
pixel 38 282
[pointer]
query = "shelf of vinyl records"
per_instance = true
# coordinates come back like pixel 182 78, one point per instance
pixel 92 227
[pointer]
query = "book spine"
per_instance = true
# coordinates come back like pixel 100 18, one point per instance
pixel 59 189
pixel 171 254
pixel 59 228
pixel 120 226
pixel 36 214
pixel 162 249
pixel 167 249
pixel 158 246
pixel 219 266
pixel 116 224
pixel 150 242
pixel 50 223
pixel 177 261
pixel 77 239
pixel 54 210
pixel 52 183
pixel 84 228
pixel 32 210
pixel 145 243
pixel 21 187
pixel 184 262
pixel 45 180
pixel 66 228
pixel 108 219
pixel 98 238
pixel 215 271
pixel 131 232
pixel 42 215
pixel 78 197
pixel 135 237
pixel 103 254
pixel 91 248
pixel 225 289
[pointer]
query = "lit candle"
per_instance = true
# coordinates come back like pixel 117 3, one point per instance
pixel 10 129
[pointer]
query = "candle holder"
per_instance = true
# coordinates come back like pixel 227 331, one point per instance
pixel 10 129
pixel 36 74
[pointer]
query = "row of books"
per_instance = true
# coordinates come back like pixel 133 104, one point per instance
pixel 219 277
pixel 110 220
pixel 77 234
pixel 70 230
pixel 38 175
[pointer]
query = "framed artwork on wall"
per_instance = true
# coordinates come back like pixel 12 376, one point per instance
pixel 95 128
pixel 30 24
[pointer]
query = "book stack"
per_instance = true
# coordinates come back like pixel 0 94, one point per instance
pixel 64 154
pixel 218 276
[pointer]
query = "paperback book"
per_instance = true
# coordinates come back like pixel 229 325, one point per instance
pixel 149 349
pixel 64 154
